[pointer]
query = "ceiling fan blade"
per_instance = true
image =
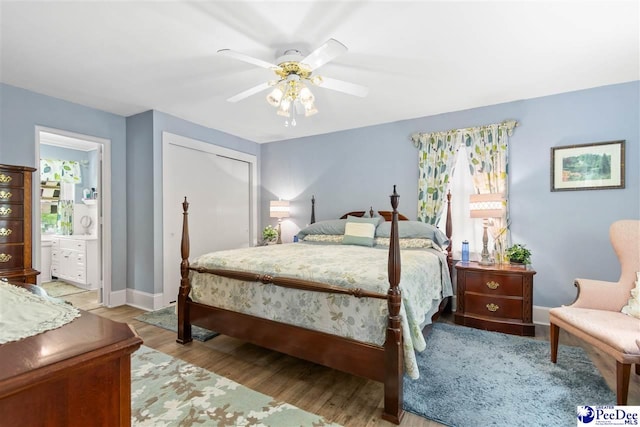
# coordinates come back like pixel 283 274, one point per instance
pixel 341 86
pixel 325 53
pixel 246 58
pixel 247 93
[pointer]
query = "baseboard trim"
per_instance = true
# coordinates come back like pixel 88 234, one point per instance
pixel 117 298
pixel 144 300
pixel 541 315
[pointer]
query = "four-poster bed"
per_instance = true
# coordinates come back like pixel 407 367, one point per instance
pixel 336 346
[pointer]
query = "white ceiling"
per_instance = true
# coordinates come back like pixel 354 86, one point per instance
pixel 417 58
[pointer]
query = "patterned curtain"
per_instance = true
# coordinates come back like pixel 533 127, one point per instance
pixel 488 156
pixel 436 160
pixel 60 171
pixel 65 217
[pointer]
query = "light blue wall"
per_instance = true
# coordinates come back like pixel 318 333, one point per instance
pixel 21 111
pixel 566 231
pixel 144 189
pixel 140 212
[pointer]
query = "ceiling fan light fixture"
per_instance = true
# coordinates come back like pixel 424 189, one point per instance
pixel 275 96
pixel 285 105
pixel 316 80
pixel 306 96
pixel 310 111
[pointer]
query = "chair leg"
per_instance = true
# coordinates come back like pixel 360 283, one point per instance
pixel 623 370
pixel 637 368
pixel 554 332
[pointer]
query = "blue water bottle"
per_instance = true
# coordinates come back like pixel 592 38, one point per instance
pixel 465 251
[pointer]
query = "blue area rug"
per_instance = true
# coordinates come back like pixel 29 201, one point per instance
pixel 470 377
pixel 166 318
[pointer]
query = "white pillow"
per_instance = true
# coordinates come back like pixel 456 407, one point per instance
pixel 633 306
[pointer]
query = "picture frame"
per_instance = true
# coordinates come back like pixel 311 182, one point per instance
pixel 595 166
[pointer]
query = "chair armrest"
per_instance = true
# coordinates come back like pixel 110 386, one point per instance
pixel 600 295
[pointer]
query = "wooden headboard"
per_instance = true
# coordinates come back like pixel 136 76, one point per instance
pixel 385 214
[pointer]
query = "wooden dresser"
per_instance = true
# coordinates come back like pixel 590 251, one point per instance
pixel 76 375
pixel 495 297
pixel 15 224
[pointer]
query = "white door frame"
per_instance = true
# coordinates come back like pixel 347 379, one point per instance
pixel 104 195
pixel 167 205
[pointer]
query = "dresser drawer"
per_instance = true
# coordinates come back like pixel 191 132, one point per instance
pixel 11 231
pixel 11 179
pixel 494 284
pixel 493 306
pixel 76 245
pixel 8 194
pixel 11 257
pixel 11 211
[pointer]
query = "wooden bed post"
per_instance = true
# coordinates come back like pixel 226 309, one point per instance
pixel 448 231
pixel 313 209
pixel 184 324
pixel 393 410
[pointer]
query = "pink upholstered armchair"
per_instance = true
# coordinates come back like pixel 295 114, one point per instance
pixel 596 317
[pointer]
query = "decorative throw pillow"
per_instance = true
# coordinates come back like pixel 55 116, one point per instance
pixel 376 220
pixel 324 238
pixel 408 243
pixel 328 227
pixel 633 306
pixel 359 233
pixel 413 230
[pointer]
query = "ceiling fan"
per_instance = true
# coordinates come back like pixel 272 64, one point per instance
pixel 294 71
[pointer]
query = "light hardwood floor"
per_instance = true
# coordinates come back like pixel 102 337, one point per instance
pixel 340 398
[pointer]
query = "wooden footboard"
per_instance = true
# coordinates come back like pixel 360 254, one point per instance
pixel 379 363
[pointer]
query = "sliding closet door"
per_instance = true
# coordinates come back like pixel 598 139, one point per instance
pixel 219 191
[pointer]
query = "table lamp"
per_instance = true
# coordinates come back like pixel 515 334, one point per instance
pixel 486 206
pixel 279 209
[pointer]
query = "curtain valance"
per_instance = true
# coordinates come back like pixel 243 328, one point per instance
pixel 421 138
pixel 60 171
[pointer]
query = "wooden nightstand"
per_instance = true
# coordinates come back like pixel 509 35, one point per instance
pixel 495 297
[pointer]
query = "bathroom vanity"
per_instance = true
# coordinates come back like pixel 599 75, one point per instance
pixel 75 259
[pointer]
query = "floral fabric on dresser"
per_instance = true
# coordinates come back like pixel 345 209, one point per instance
pixel 424 282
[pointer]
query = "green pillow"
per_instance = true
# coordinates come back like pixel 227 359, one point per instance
pixel 376 220
pixel 359 233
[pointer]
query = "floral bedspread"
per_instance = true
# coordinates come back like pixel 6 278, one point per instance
pixel 424 282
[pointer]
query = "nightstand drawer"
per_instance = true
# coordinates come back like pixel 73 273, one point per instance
pixel 494 284
pixel 490 306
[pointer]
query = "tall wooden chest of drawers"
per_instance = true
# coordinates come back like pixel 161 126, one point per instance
pixel 15 224
pixel 495 297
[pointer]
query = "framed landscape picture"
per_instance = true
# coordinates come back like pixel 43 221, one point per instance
pixel 596 166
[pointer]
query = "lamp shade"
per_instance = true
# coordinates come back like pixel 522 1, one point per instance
pixel 279 209
pixel 486 205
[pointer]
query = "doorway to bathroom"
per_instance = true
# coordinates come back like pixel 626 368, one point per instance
pixel 71 197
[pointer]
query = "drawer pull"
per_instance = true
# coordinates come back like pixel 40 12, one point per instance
pixel 5 178
pixel 5 232
pixel 5 194
pixel 492 307
pixel 5 257
pixel 493 285
pixel 5 211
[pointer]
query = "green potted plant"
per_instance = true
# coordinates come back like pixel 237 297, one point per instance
pixel 518 254
pixel 269 234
